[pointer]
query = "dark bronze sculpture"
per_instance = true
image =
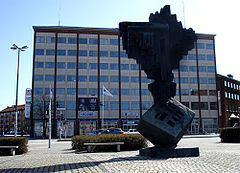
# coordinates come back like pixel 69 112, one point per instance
pixel 158 46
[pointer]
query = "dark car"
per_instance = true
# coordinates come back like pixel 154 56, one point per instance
pixel 113 131
pixel 96 132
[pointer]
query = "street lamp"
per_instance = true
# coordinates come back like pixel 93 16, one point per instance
pixel 15 47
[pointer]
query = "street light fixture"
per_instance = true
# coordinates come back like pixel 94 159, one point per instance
pixel 15 47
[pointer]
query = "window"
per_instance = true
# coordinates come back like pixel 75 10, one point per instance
pixel 134 79
pixel 72 40
pixel 113 78
pixel 114 91
pixel 211 69
pixel 104 66
pixel 124 78
pixel 60 104
pixel 72 53
pixel 194 92
pixel 204 105
pixel 82 53
pixel 125 91
pixel 125 105
pixel 194 105
pixel 49 77
pixel 82 65
pixel 192 68
pixel 47 91
pixel 212 92
pixel 145 92
pixel 103 41
pixel 210 57
pixel 61 65
pixel 145 105
pixel 60 78
pixel 93 79
pixel 203 92
pixel 134 67
pixel 124 66
pixel 71 105
pixel 228 84
pixel 226 95
pixel 38 91
pixel 38 64
pixel 184 92
pixel 202 69
pixel 61 39
pixel 39 51
pixel 175 79
pixel 184 57
pixel 123 55
pixel 93 66
pixel 104 53
pixel 113 54
pixel 49 64
pixel 93 91
pixel 202 80
pixel 200 45
pixel 209 46
pixel 82 78
pixel 50 52
pixel 71 65
pixel 82 40
pixel 40 39
pixel 191 57
pixel 211 81
pixel 184 80
pixel 114 66
pixel 61 52
pixel 135 105
pixel 201 57
pixel 183 68
pixel 113 42
pixel 82 91
pixel 193 80
pixel 93 53
pixel 237 86
pixel 144 79
pixel 60 91
pixel 93 41
pixel 104 78
pixel 231 85
pixel 50 39
pixel 71 91
pixel 38 77
pixel 134 91
pixel 114 105
pixel 71 78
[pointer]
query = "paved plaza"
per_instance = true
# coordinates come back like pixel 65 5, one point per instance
pixel 214 157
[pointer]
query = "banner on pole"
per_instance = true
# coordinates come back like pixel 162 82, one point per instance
pixel 28 99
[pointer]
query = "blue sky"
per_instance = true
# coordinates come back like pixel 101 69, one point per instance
pixel 18 17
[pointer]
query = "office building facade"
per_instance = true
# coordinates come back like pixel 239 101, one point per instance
pixel 77 62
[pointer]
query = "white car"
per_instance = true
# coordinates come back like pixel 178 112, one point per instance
pixel 132 131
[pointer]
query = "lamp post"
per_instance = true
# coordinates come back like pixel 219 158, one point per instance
pixel 15 47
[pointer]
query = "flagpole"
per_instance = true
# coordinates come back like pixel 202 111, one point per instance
pixel 103 109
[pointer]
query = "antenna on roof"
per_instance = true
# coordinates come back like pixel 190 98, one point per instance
pixel 59 12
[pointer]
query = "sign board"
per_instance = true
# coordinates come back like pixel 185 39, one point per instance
pixel 130 114
pixel 87 104
pixel 87 114
pixel 28 99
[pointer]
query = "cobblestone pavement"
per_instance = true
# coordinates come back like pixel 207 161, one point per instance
pixel 214 157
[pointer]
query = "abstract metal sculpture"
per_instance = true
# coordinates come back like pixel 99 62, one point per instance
pixel 158 46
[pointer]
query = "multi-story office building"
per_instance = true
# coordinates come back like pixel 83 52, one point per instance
pixel 7 120
pixel 228 99
pixel 77 62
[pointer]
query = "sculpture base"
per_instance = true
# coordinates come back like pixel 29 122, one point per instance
pixel 163 152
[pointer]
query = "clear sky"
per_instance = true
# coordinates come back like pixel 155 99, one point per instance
pixel 18 16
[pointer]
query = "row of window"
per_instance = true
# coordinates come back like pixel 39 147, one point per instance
pixel 91 53
pixel 204 46
pixel 72 65
pixel 200 57
pixel 184 68
pixel 231 96
pixel 91 91
pixel 232 108
pixel 231 85
pixel 193 80
pixel 201 105
pixel 195 92
pixel 73 40
pixel 83 78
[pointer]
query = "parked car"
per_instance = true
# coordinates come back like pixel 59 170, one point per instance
pixel 96 132
pixel 132 131
pixel 113 131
